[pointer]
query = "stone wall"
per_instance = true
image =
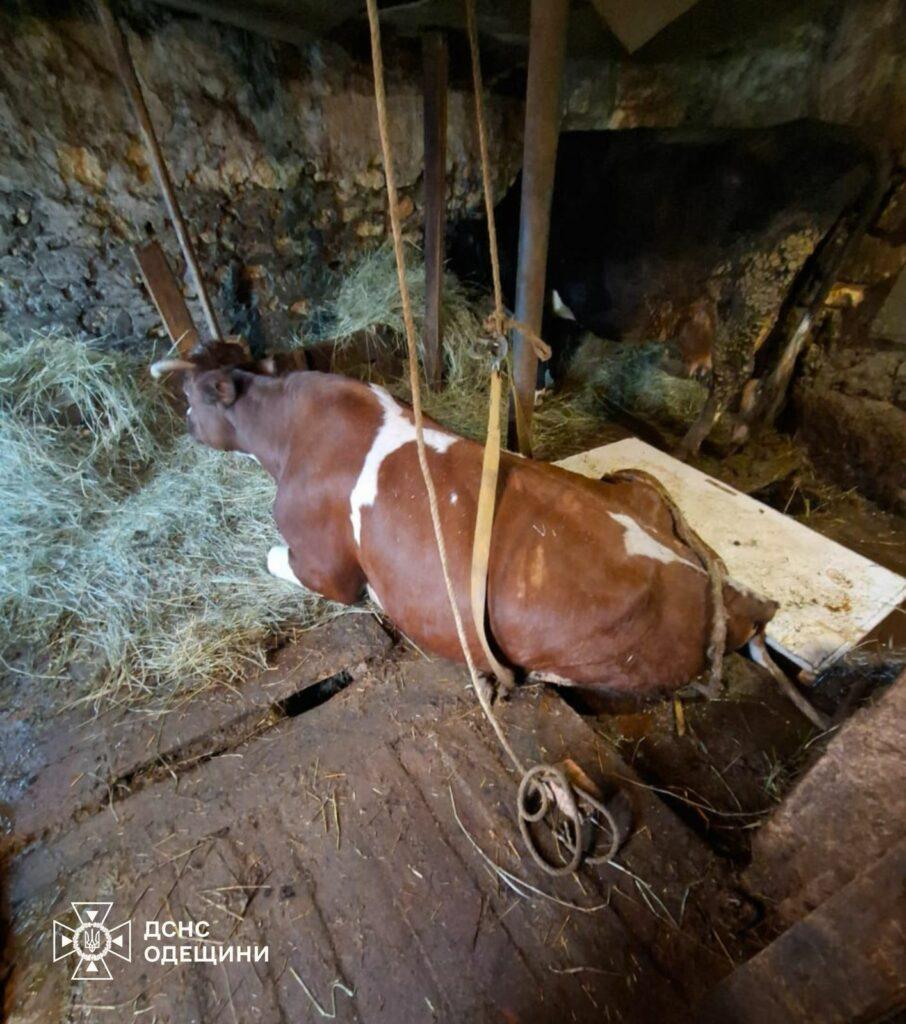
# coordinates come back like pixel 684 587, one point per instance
pixel 841 62
pixel 273 150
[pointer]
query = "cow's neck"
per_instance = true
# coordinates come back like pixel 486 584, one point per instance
pixel 261 421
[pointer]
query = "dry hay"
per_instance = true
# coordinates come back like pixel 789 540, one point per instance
pixel 133 559
pixel 632 378
pixel 367 302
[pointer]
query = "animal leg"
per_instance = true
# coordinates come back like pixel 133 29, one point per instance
pixel 491 692
pixel 759 652
pixel 700 429
pixel 278 565
pixel 335 582
pixel 709 690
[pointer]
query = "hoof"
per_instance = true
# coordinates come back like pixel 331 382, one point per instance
pixel 486 688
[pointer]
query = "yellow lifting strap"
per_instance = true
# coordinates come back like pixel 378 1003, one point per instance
pixel 484 526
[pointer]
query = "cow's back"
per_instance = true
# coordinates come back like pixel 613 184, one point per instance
pixel 588 582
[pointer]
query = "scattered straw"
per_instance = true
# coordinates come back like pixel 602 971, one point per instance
pixel 632 377
pixel 337 984
pixel 366 304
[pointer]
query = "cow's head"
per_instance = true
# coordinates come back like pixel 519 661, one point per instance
pixel 214 378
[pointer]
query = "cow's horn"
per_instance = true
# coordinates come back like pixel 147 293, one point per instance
pixel 163 366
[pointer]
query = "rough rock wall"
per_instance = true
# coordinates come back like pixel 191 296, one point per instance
pixel 273 150
pixel 844 64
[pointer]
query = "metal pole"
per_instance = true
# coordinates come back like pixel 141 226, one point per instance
pixel 434 67
pixel 547 47
pixel 131 84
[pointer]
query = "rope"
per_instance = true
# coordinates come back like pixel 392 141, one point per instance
pixel 710 561
pixel 412 347
pixel 535 786
pixel 542 785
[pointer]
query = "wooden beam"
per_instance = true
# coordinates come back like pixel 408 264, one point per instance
pixel 126 70
pixel 435 69
pixel 547 44
pixel 164 291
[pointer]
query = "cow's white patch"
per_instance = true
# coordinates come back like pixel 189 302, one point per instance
pixel 278 564
pixel 640 543
pixel 560 307
pixel 395 430
pixel 454 497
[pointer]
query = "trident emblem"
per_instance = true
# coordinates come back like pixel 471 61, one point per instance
pixel 92 941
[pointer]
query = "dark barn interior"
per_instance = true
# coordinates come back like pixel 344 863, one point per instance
pixel 293 795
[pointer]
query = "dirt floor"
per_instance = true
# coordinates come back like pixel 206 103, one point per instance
pixel 349 808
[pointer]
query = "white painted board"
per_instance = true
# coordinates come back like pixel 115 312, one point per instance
pixel 830 597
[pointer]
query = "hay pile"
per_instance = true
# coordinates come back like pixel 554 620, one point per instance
pixel 133 559
pixel 631 378
pixel 366 304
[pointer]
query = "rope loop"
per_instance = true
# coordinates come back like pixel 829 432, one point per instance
pixel 545 789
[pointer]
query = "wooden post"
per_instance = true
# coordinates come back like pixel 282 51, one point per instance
pixel 131 84
pixel 547 46
pixel 434 67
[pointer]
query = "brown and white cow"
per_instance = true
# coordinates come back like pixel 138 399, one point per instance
pixel 588 583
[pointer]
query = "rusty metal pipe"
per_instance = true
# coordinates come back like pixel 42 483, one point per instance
pixel 129 78
pixel 547 47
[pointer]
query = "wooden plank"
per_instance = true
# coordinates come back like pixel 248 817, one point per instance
pixel 166 296
pixel 331 838
pixel 118 745
pixel 846 811
pixel 553 941
pixel 844 962
pixel 119 48
pixel 547 47
pixel 830 597
pixel 434 84
pixel 661 853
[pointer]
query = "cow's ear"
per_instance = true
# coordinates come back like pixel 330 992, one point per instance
pixel 221 390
